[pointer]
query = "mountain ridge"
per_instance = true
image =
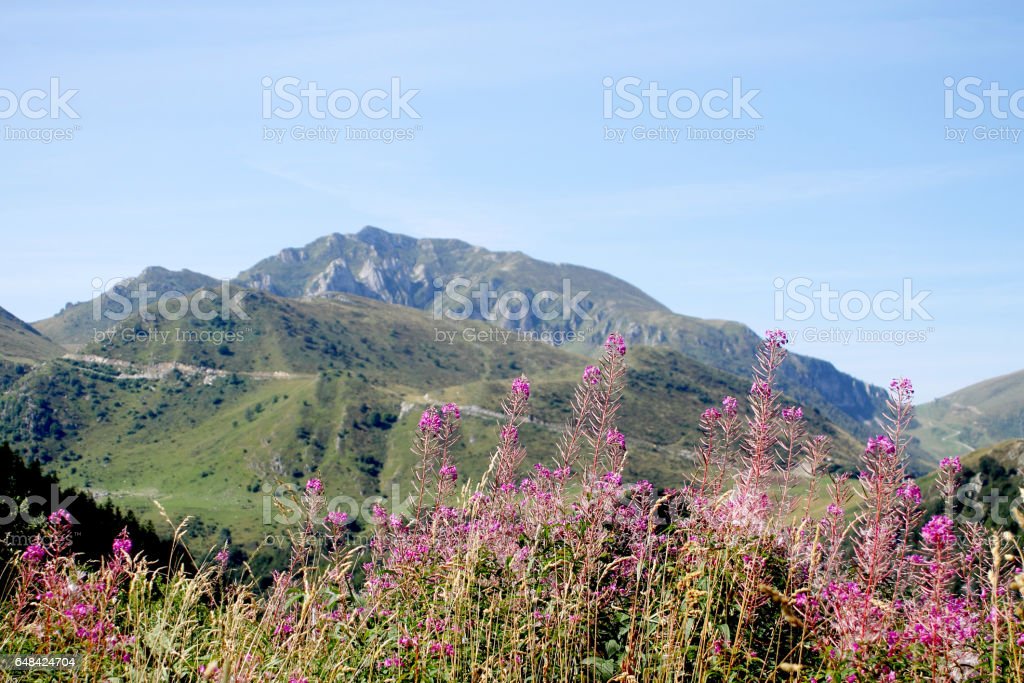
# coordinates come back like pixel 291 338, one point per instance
pixel 977 416
pixel 329 387
pixel 366 263
pixel 417 273
pixel 21 342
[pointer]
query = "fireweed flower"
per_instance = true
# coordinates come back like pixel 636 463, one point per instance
pixel 521 386
pixel 791 415
pixel 221 557
pixel 910 491
pixel 615 438
pixel 430 421
pixel 452 410
pixel 613 478
pixel 615 343
pixel 938 532
pixel 591 375
pixel 314 486
pixel 711 415
pixel 643 488
pixel 336 518
pixel 880 444
pixel 122 544
pixel 441 649
pixel 449 473
pixel 902 384
pixel 34 553
pixel 951 465
pixel 776 338
pixel 285 627
pixel 60 516
pixel 730 405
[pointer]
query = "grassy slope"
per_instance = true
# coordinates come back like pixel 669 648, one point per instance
pixel 21 343
pixel 974 417
pixel 76 325
pixel 401 269
pixel 353 377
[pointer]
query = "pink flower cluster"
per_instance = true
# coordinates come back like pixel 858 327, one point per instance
pixel 615 344
pixel 521 387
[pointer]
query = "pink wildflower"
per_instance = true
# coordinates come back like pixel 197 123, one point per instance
pixel 430 421
pixel 616 343
pixel 521 386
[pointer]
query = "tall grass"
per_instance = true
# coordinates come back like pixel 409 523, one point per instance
pixel 566 573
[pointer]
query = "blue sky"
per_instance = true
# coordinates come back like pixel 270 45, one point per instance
pixel 849 179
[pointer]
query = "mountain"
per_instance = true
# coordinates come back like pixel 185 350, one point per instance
pixel 575 305
pixel 79 323
pixel 22 343
pixel 208 415
pixel 973 417
pixel 424 274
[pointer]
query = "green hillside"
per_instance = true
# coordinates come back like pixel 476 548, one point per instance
pixel 977 416
pixel 408 271
pixel 323 386
pixel 21 343
pixel 79 323
pixel 398 269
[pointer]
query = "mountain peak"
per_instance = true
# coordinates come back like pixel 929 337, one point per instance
pixel 401 269
pixel 377 237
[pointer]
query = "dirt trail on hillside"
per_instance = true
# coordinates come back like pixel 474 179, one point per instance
pixel 157 371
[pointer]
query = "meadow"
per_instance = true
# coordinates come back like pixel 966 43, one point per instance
pixel 563 571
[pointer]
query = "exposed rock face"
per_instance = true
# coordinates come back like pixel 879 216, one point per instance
pixel 453 281
pixel 430 274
